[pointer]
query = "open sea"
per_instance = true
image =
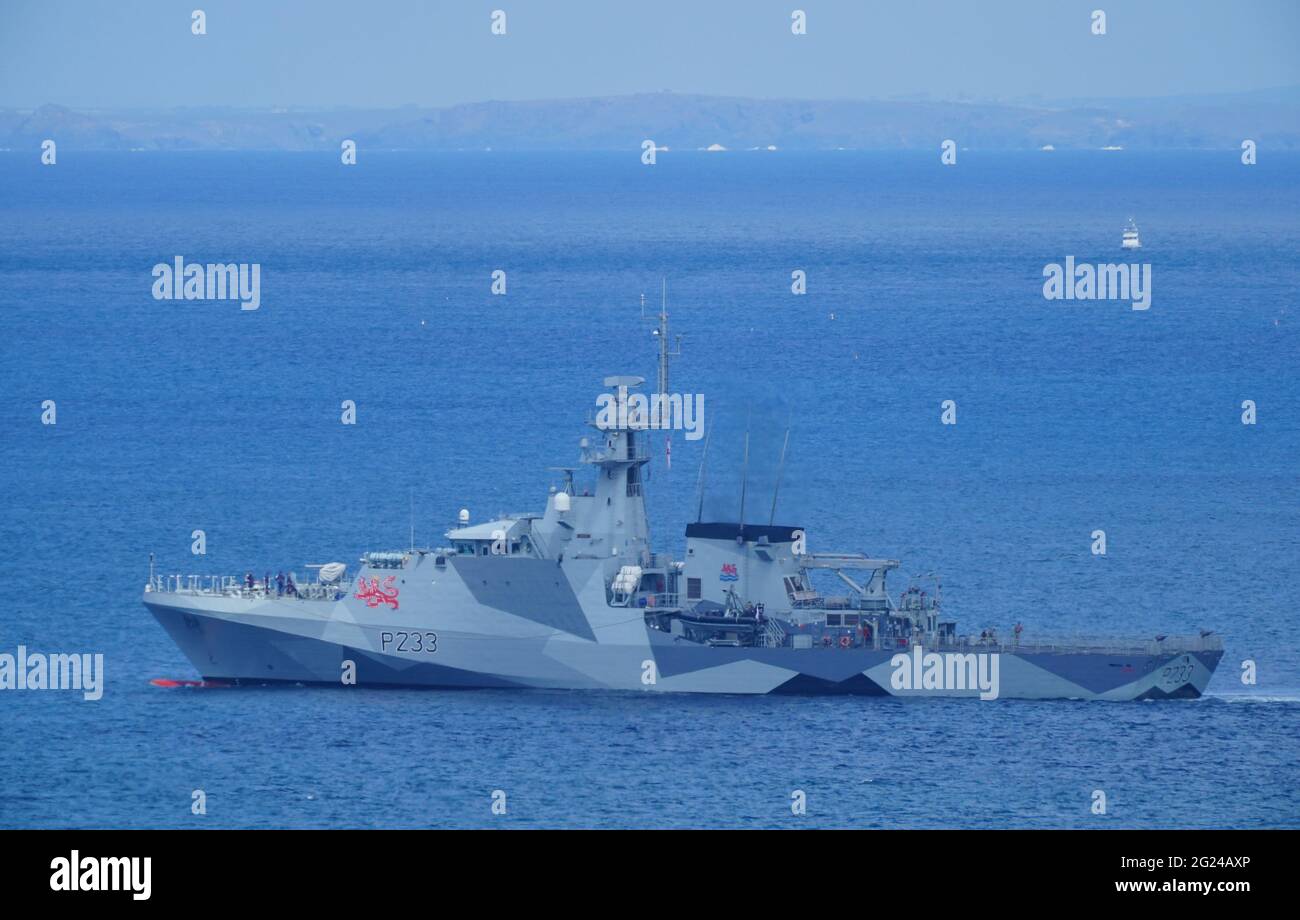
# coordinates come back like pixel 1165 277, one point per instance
pixel 924 284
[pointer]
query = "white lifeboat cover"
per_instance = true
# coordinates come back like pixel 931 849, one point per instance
pixel 332 572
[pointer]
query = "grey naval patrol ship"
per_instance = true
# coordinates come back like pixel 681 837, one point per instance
pixel 575 597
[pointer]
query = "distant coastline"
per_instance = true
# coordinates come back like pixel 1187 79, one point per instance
pixel 684 122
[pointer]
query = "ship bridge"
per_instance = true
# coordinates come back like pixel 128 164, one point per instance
pixel 504 536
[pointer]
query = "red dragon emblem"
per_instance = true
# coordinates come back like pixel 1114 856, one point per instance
pixel 375 594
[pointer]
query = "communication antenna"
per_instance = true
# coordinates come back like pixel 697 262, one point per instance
pixel 699 514
pixel 411 495
pixel 744 470
pixel 780 470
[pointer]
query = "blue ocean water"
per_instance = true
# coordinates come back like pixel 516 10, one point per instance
pixel 924 284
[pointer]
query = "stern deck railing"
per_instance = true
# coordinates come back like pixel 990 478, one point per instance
pixel 1105 645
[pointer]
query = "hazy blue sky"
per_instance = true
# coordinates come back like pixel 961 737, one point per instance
pixel 380 53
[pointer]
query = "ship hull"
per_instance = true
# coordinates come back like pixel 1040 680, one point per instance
pixel 303 642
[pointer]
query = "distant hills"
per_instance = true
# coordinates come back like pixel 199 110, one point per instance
pixel 680 121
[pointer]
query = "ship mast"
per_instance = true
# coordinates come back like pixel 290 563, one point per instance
pixel 666 352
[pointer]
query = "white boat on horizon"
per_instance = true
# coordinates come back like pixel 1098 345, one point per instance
pixel 1130 239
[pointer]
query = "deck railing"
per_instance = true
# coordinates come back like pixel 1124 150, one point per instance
pixel 235 586
pixel 1101 645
